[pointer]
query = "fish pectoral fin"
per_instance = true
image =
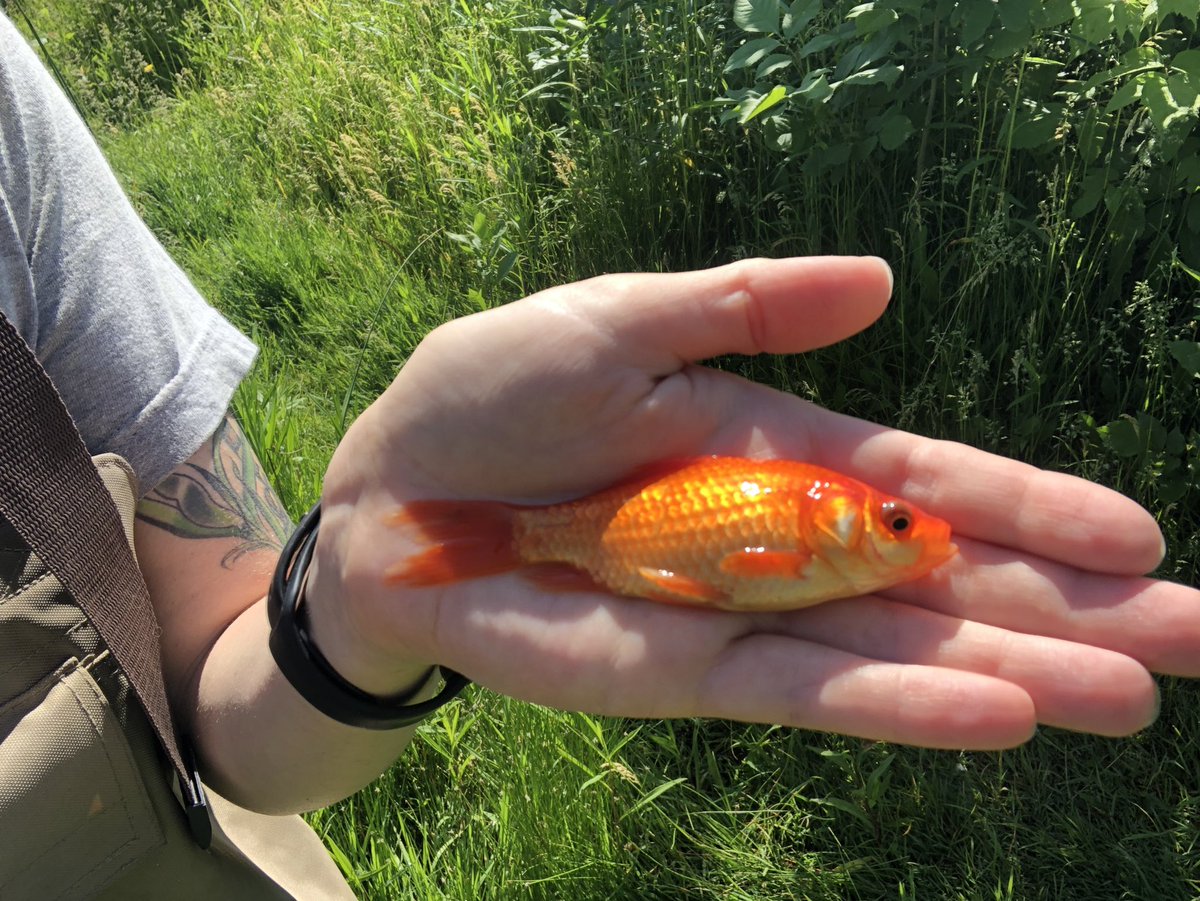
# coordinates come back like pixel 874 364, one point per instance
pixel 759 563
pixel 674 588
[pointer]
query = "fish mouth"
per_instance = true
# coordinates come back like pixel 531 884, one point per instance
pixel 949 553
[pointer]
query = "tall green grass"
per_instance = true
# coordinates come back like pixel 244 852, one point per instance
pixel 341 176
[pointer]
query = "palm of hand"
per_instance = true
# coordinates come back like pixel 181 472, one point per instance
pixel 1042 619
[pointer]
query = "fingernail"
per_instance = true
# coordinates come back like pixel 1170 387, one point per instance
pixel 888 269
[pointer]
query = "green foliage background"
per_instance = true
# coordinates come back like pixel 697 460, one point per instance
pixel 341 176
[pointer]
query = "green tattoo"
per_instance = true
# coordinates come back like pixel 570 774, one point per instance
pixel 233 500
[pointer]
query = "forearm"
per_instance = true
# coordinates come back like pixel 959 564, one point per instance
pixel 264 746
pixel 208 538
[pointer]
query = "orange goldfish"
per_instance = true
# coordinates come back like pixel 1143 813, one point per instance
pixel 717 532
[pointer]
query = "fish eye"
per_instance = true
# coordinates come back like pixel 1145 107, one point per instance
pixel 896 518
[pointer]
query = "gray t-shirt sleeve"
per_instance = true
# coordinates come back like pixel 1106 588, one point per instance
pixel 145 366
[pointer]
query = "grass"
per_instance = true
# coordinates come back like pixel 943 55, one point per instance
pixel 340 177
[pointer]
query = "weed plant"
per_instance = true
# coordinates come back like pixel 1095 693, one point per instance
pixel 340 176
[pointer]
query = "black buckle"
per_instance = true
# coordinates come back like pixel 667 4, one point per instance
pixel 195 801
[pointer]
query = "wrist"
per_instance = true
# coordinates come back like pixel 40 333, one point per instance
pixel 313 675
pixel 355 655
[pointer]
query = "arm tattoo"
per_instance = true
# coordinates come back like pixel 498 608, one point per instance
pixel 232 500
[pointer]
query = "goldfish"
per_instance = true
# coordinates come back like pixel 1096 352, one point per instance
pixel 720 532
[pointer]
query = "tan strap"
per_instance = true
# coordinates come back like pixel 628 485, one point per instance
pixel 53 497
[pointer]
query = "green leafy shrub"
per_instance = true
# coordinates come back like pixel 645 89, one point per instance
pixel 1109 90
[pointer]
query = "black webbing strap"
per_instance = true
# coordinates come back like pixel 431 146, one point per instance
pixel 52 495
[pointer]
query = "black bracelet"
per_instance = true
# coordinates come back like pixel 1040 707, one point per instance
pixel 310 673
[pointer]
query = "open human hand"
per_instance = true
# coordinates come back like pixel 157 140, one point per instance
pixel 1043 617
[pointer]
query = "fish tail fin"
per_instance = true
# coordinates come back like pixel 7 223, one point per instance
pixel 470 539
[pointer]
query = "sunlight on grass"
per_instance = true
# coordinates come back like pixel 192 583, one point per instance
pixel 341 177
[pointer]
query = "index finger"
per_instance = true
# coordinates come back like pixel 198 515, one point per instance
pixel 995 499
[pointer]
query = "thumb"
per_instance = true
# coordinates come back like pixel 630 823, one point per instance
pixel 749 307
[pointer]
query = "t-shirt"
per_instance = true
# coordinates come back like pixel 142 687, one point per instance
pixel 146 367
